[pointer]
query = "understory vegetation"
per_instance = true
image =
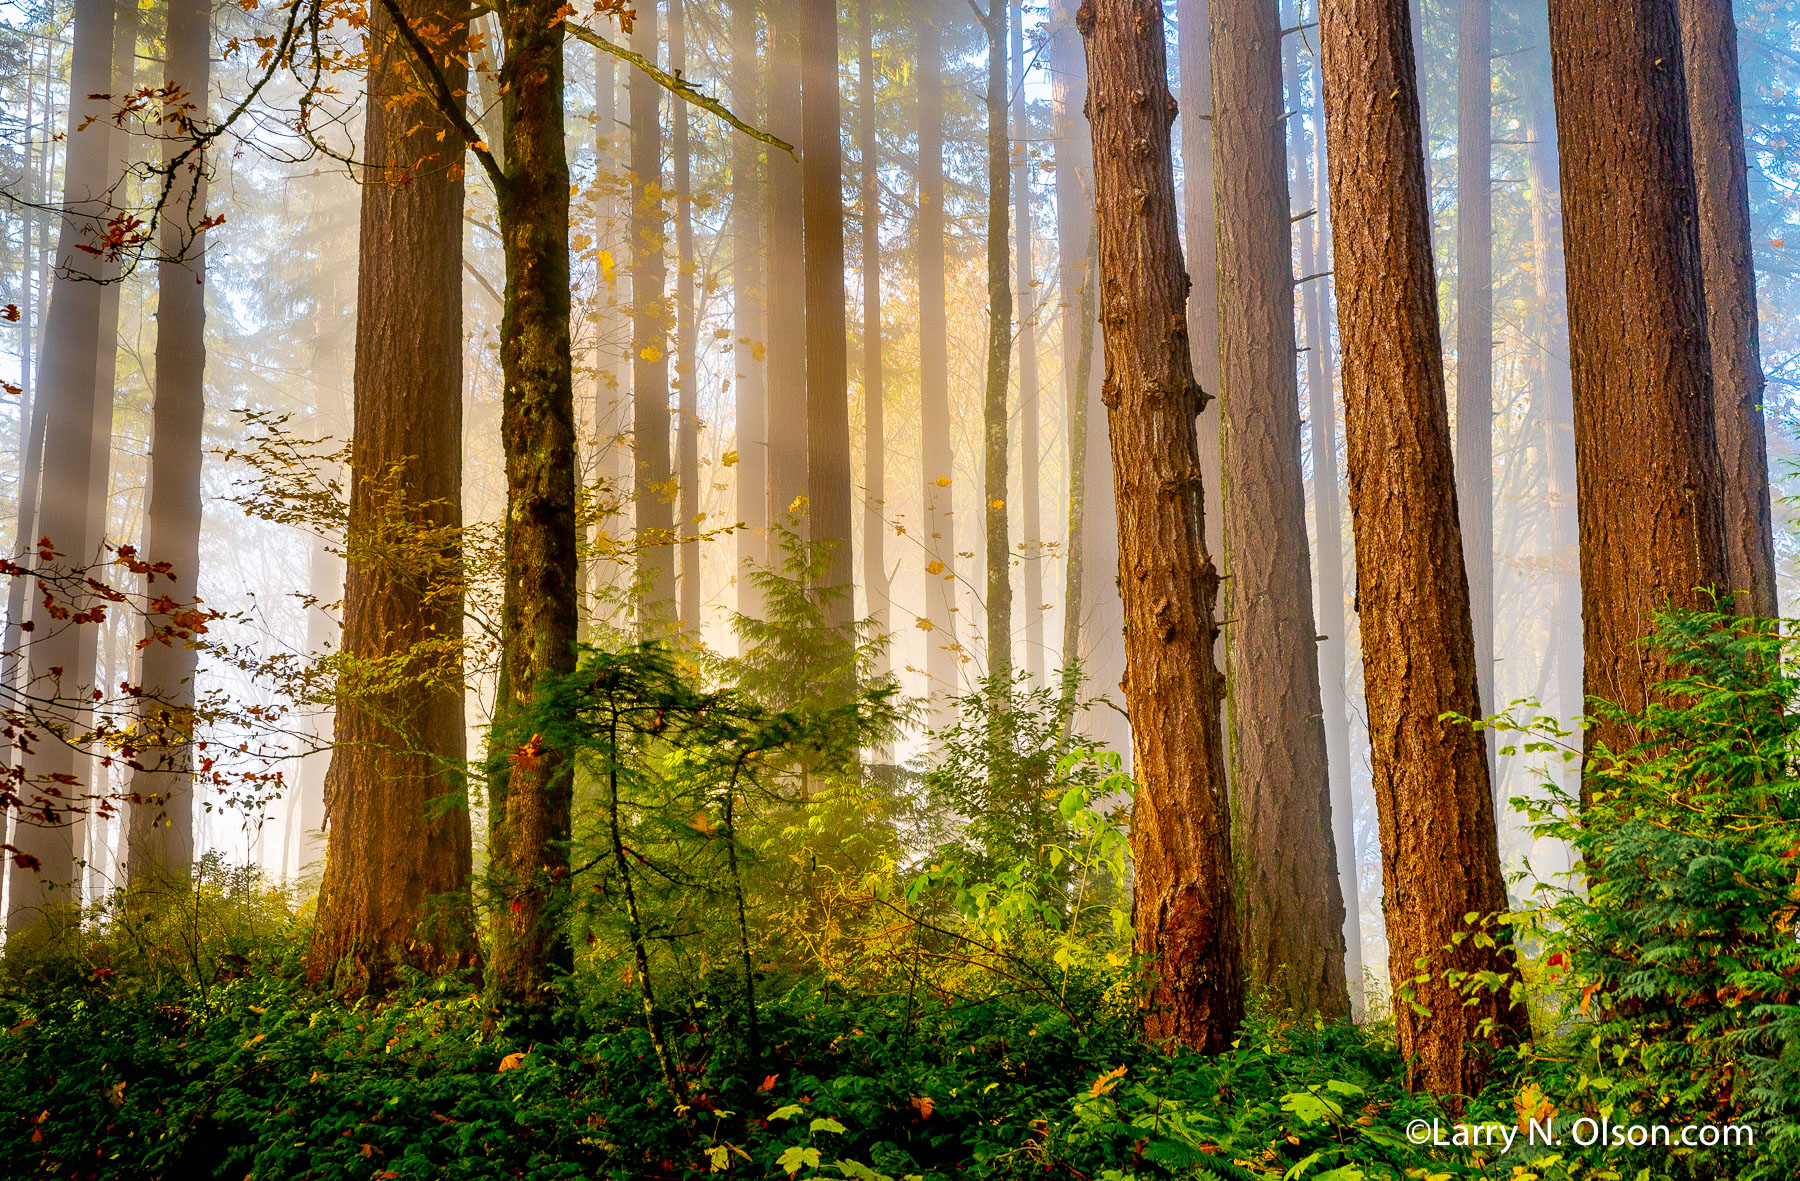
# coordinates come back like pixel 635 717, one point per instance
pixel 772 980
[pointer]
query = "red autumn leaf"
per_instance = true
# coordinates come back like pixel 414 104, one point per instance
pixel 768 1084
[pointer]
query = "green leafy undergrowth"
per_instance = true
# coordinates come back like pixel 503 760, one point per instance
pixel 258 1076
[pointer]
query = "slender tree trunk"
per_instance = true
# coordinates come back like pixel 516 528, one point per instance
pixel 748 327
pixel 1651 502
pixel 687 450
pixel 653 494
pixel 827 361
pixel 397 853
pixel 51 800
pixel 1291 907
pixel 1076 262
pixel 530 793
pixel 1430 775
pixel 1031 525
pixel 1552 395
pixel 600 579
pixel 1200 226
pixel 994 415
pixel 1475 335
pixel 1716 127
pixel 159 836
pixel 875 581
pixel 1183 906
pixel 34 408
pixel 787 271
pixel 1315 255
pixel 939 520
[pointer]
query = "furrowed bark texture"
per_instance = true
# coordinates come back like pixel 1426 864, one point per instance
pixel 938 499
pixel 1290 903
pixel 1716 129
pixel 787 272
pixel 52 802
pixel 397 853
pixel 1650 501
pixel 827 375
pixel 1439 859
pixel 749 327
pixel 994 417
pixel 159 835
pixel 875 581
pixel 1475 331
pixel 1183 910
pixel 653 494
pixel 530 792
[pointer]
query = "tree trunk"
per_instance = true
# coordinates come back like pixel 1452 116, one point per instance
pixel 1650 495
pixel 1078 318
pixel 529 794
pixel 653 496
pixel 1430 776
pixel 1716 128
pixel 994 417
pixel 1184 913
pixel 875 581
pixel 938 519
pixel 1315 255
pixel 397 850
pixel 687 432
pixel 159 837
pixel 1031 525
pixel 51 800
pixel 1291 908
pixel 749 329
pixel 787 271
pixel 1200 226
pixel 1551 396
pixel 1475 335
pixel 827 361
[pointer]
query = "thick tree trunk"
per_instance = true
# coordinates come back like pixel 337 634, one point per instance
pixel 1315 254
pixel 653 496
pixel 1439 855
pixel 994 417
pixel 687 418
pixel 397 853
pixel 1651 504
pixel 1716 127
pixel 529 793
pixel 787 270
pixel 1291 907
pixel 938 521
pixel 52 800
pixel 875 581
pixel 1475 333
pixel 1183 907
pixel 1031 525
pixel 159 836
pixel 748 326
pixel 827 362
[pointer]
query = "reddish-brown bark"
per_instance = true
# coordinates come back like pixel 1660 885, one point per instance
pixel 1184 913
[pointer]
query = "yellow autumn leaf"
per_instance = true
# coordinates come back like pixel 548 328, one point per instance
pixel 943 481
pixel 799 505
pixel 996 504
pixel 729 459
pixel 934 567
pixel 651 353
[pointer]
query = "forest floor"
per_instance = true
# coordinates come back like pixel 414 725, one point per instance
pixel 107 1073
